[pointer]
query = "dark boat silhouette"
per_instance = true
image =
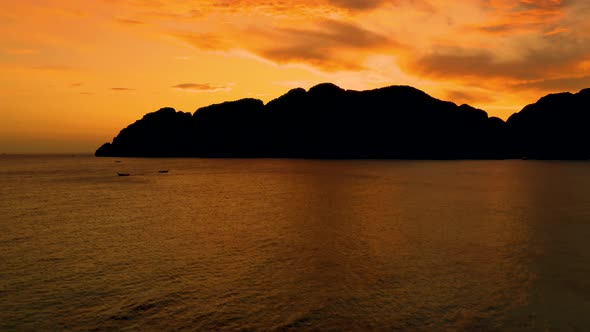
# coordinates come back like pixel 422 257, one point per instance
pixel 163 171
pixel 123 174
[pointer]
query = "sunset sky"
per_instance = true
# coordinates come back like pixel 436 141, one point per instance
pixel 76 72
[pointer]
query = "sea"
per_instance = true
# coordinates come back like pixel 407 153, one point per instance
pixel 293 245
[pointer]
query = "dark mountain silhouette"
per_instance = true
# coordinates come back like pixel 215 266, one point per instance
pixel 397 122
pixel 555 127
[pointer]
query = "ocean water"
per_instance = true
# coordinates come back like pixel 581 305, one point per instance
pixel 302 245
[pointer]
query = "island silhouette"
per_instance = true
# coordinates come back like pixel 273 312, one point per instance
pixel 328 122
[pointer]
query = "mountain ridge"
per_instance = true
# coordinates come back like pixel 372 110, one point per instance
pixel 328 122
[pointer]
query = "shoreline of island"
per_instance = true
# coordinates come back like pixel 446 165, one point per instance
pixel 390 123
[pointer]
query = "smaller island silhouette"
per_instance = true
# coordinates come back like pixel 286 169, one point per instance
pixel 328 122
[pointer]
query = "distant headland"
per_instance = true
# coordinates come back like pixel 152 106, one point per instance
pixel 327 122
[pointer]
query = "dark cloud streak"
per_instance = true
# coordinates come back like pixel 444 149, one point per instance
pixel 129 21
pixel 325 46
pixel 202 87
pixel 122 89
pixel 556 85
pixel 357 4
pixel 556 55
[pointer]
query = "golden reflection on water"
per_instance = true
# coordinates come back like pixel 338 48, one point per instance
pixel 556 208
pixel 294 244
pixel 425 238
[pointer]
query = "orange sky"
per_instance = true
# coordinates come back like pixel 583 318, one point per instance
pixel 76 72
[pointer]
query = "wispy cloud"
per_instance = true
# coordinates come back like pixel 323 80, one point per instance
pixel 129 21
pixel 330 45
pixel 546 58
pixel 203 87
pixel 571 84
pixel 469 97
pixel 357 4
pixel 122 89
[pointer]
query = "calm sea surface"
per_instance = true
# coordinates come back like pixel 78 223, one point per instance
pixel 293 245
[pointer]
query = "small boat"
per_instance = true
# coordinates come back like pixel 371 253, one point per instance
pixel 163 171
pixel 122 174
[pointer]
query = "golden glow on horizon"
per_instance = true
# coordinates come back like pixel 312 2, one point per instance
pixel 75 73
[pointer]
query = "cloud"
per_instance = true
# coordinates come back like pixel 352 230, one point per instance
pixel 206 41
pixel 129 21
pixel 571 84
pixel 541 57
pixel 203 87
pixel 523 16
pixel 461 64
pixel 468 97
pixel 329 44
pixel 297 5
pixel 122 89
pixel 332 45
pixel 556 31
pixel 357 4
